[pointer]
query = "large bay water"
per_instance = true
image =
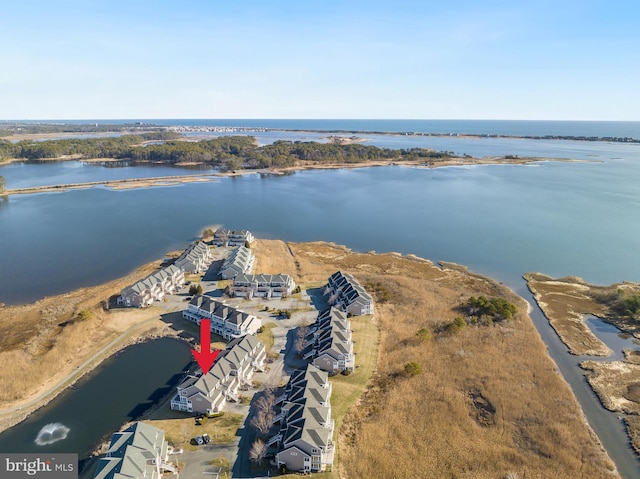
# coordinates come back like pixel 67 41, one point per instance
pixel 489 127
pixel 577 218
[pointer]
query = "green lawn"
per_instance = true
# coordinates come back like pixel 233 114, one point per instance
pixel 347 389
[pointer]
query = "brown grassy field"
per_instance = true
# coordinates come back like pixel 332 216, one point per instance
pixel 180 428
pixel 489 401
pixel 564 302
pixel 43 342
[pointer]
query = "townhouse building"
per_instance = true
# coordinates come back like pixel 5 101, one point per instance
pixel 152 288
pixel 195 259
pixel 346 293
pixel 226 320
pixel 262 286
pixel 140 451
pixel 305 439
pixel 227 237
pixel 329 344
pixel 239 261
pixel 234 368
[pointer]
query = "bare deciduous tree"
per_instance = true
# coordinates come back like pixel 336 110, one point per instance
pixel 258 451
pixel 300 342
pixel 262 421
pixel 266 402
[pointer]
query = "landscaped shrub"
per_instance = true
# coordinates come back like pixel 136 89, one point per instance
pixel 412 368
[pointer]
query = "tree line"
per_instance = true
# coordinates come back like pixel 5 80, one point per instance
pixel 11 128
pixel 226 152
pixel 111 147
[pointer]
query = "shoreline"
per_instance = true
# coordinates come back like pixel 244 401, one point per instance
pixel 565 302
pixel 132 183
pixel 113 331
pixel 445 279
pixel 329 133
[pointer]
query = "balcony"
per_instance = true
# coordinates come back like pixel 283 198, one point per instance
pixel 275 440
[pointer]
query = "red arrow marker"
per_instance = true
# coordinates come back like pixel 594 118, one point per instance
pixel 205 357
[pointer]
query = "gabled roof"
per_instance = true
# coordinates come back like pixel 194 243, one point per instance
pixel 311 374
pixel 220 310
pixel 139 434
pixel 131 453
pixel 308 431
pixel 220 375
pixel 263 278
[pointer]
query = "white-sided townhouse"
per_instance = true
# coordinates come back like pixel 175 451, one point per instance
pixel 195 259
pixel 262 286
pixel 239 261
pixel 234 367
pixel 305 439
pixel 227 237
pixel 226 320
pixel 347 294
pixel 152 288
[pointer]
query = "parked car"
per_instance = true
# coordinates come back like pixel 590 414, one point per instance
pixel 197 441
pixel 206 438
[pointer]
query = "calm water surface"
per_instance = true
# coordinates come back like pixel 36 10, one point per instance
pixel 558 218
pixel 119 390
pixel 498 127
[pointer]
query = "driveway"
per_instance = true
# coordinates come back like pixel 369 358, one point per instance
pixel 305 307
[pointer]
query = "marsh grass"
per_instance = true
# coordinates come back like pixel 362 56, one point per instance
pixel 42 342
pixel 489 401
pixel 564 302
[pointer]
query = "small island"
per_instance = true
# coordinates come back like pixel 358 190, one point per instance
pixel 566 302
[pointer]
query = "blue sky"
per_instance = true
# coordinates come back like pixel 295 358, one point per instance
pixel 556 60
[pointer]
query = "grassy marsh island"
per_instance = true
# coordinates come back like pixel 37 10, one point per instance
pixel 473 387
pixel 565 302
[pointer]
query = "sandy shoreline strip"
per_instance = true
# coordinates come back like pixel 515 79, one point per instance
pixel 180 179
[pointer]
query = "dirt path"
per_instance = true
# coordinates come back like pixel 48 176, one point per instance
pixel 80 370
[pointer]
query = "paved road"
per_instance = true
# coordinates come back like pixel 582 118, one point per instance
pixel 80 370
